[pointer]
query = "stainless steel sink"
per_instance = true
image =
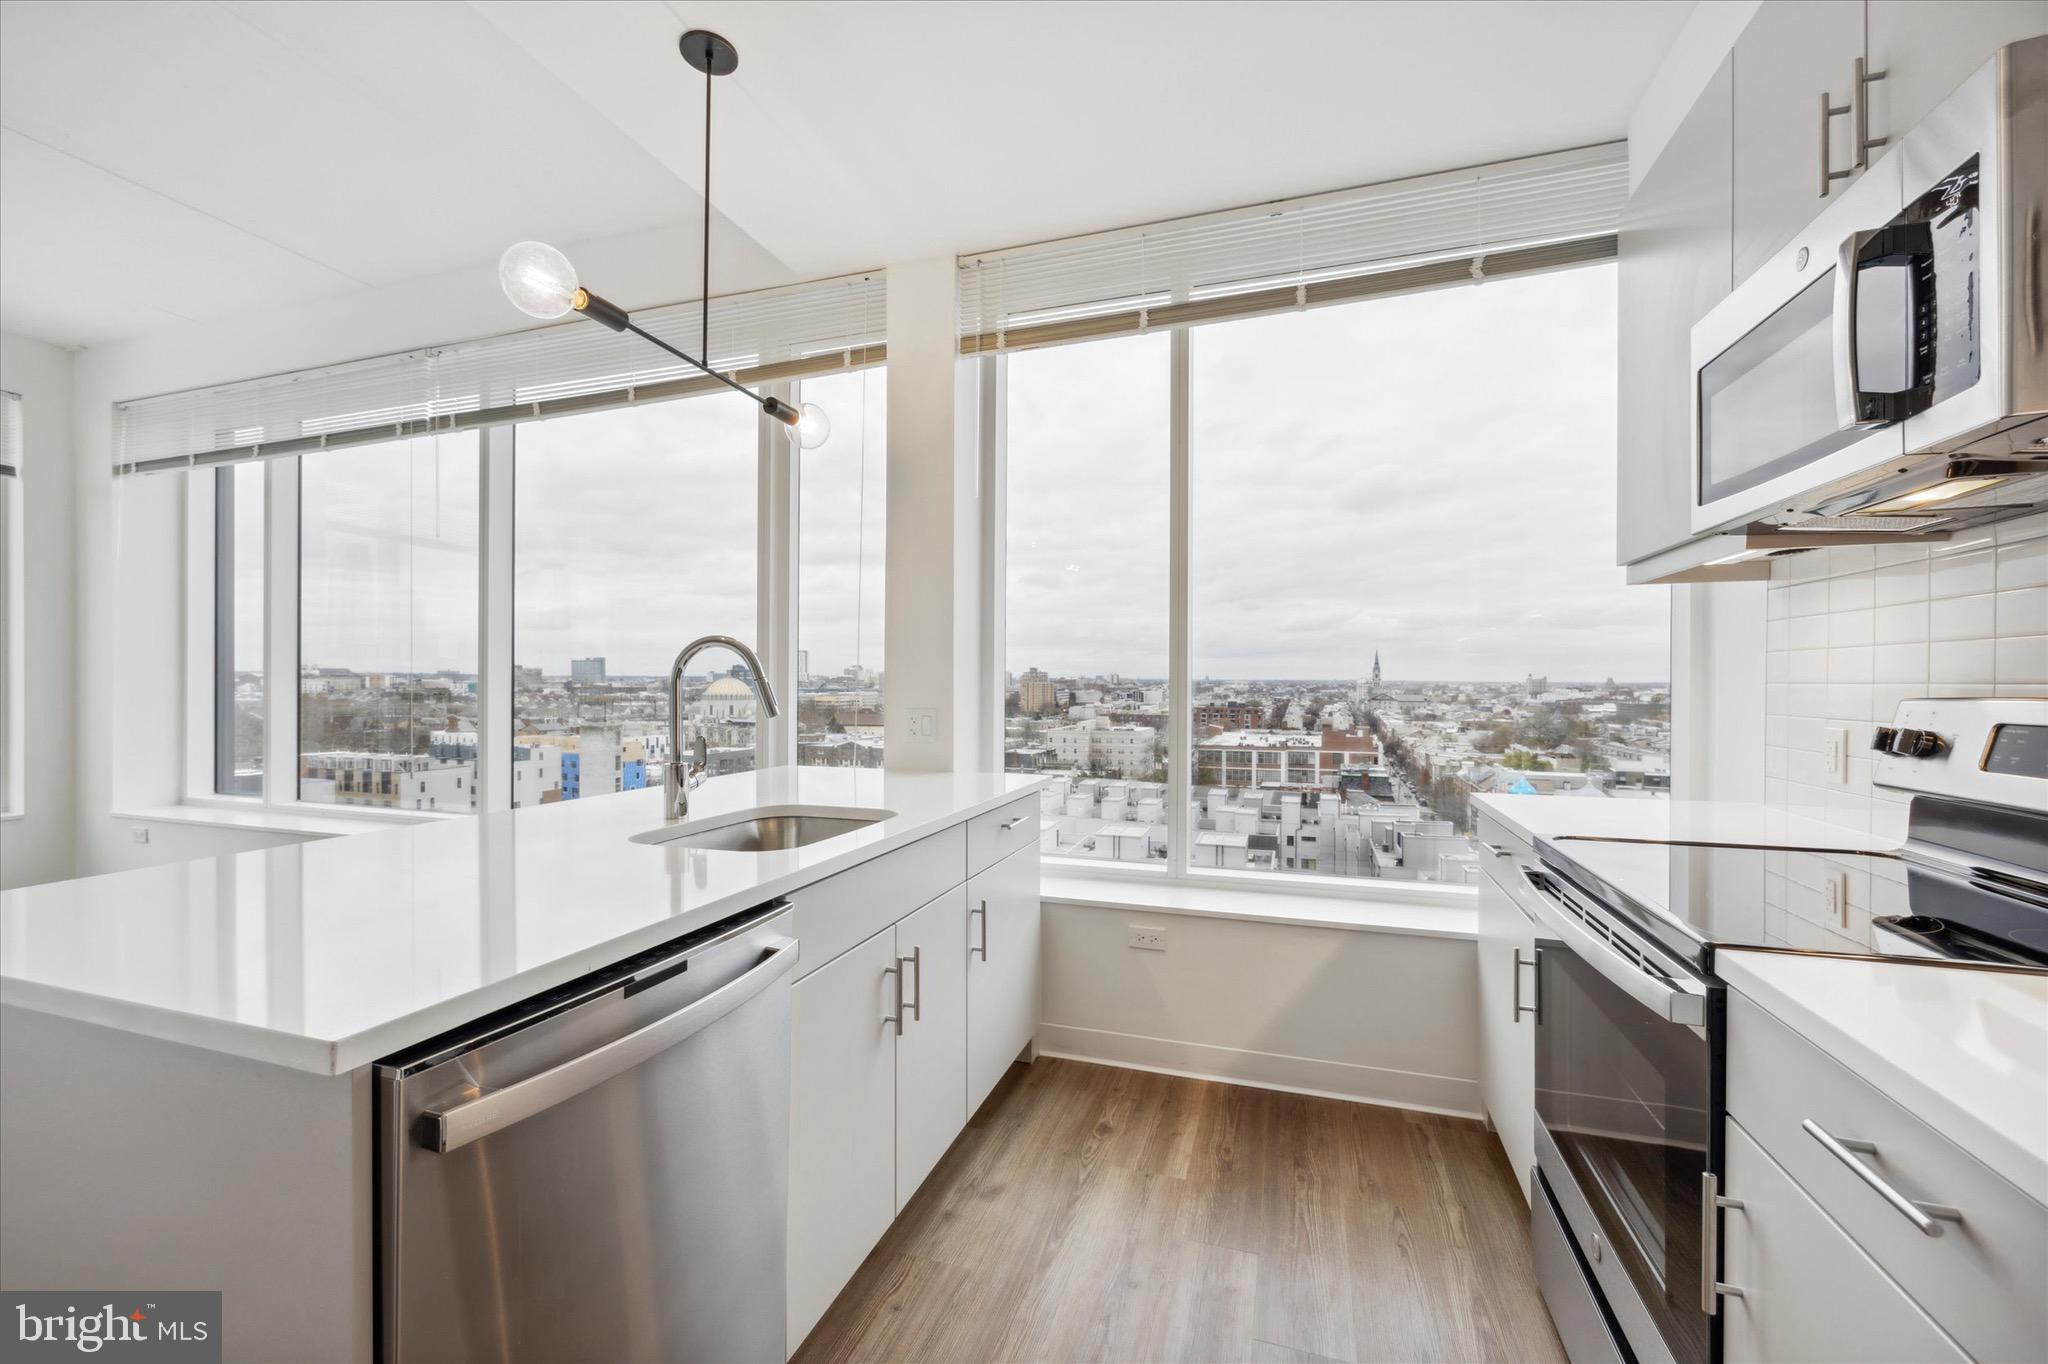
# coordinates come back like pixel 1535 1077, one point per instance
pixel 771 830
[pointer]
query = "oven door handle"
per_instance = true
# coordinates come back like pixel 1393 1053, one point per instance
pixel 1680 1002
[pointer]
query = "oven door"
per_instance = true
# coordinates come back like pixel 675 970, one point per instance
pixel 1624 1107
pixel 1778 364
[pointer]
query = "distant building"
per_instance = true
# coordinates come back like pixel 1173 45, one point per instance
pixel 1035 693
pixel 586 672
pixel 1097 745
pixel 1229 715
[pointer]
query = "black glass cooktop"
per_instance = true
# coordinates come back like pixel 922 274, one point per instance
pixel 1696 897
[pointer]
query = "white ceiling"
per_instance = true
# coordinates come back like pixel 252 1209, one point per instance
pixel 163 162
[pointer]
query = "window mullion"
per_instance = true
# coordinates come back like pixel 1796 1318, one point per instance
pixel 281 633
pixel 494 620
pixel 1180 744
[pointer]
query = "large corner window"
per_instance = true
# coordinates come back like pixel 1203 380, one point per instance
pixel 388 626
pixel 842 519
pixel 1087 607
pixel 238 619
pixel 1391 604
pixel 633 534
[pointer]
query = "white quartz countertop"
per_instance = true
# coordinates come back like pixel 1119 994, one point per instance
pixel 324 956
pixel 1683 821
pixel 1964 1049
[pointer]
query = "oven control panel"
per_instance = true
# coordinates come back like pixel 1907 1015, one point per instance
pixel 1989 749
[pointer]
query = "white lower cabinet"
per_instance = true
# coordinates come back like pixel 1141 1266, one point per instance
pixel 1002 969
pixel 1809 1293
pixel 842 1124
pixel 931 1050
pixel 1507 1016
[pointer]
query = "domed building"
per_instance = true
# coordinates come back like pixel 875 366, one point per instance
pixel 724 714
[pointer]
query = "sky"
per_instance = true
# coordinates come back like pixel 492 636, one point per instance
pixel 1431 476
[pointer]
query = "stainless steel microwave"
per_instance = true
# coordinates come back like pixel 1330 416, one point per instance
pixel 1888 369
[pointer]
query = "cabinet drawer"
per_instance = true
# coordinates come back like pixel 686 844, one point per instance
pixel 1808 1293
pixel 839 911
pixel 1495 835
pixel 1982 1277
pixel 994 836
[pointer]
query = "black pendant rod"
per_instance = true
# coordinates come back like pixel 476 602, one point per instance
pixel 704 280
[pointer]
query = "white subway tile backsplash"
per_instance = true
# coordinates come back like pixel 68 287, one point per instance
pixel 1962 617
pixel 2023 611
pixel 1809 598
pixel 1899 663
pixel 1850 627
pixel 1904 623
pixel 1955 662
pixel 2023 564
pixel 2021 660
pixel 1901 582
pixel 1853 631
pixel 1855 592
pixel 1962 574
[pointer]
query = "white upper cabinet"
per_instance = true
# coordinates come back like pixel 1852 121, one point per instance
pixel 1790 56
pixel 1674 266
pixel 1927 50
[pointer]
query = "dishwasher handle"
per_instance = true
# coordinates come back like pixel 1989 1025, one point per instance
pixel 449 1127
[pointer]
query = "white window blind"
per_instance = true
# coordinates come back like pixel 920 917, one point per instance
pixel 1511 217
pixel 573 366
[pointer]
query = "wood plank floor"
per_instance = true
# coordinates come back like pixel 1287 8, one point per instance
pixel 1095 1213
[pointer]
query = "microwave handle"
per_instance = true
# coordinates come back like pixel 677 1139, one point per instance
pixel 1848 382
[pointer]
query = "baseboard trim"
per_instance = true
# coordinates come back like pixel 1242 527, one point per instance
pixel 1445 1094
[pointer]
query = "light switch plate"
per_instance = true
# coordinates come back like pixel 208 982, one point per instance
pixel 1836 746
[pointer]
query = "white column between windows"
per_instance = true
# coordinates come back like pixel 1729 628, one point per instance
pixel 494 687
pixel 281 633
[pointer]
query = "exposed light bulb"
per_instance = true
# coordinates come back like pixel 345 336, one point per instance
pixel 812 427
pixel 538 279
pixel 1938 492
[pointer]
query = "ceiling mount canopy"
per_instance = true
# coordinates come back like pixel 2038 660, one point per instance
pixel 540 281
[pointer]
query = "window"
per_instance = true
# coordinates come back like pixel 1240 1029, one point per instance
pixel 388 625
pixel 634 533
pixel 13 633
pixel 842 489
pixel 1390 608
pixel 239 518
pixel 1086 613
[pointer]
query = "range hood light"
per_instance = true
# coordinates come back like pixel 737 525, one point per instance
pixel 1935 492
pixel 1737 557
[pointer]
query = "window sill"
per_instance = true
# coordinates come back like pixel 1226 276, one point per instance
pixel 1434 918
pixel 269 820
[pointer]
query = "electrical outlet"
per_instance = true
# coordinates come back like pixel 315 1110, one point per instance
pixel 924 724
pixel 1145 939
pixel 1838 898
pixel 139 834
pixel 1837 749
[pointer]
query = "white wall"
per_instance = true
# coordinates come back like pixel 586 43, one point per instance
pixel 39 845
pixel 1380 1016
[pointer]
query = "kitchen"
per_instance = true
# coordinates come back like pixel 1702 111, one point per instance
pixel 1040 802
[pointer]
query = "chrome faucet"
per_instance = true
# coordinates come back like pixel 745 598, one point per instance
pixel 685 767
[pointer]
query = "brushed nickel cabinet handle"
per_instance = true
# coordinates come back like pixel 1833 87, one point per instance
pixel 897 1017
pixel 1010 824
pixel 1828 111
pixel 1712 1290
pixel 981 950
pixel 1520 1007
pixel 916 960
pixel 1865 77
pixel 1495 849
pixel 1925 1217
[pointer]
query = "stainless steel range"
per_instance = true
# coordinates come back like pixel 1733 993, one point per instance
pixel 1630 1024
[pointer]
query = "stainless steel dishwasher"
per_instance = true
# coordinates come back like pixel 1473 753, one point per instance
pixel 600 1173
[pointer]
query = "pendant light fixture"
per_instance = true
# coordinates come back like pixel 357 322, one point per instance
pixel 542 283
